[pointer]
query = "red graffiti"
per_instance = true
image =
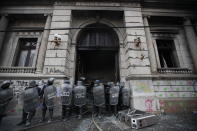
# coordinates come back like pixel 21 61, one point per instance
pixel 162 103
pixel 149 105
pixel 189 82
pixel 193 102
pixel 12 110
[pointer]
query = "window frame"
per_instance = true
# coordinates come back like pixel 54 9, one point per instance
pixel 165 36
pixel 25 48
pixel 21 35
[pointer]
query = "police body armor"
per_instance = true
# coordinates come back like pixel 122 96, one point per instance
pixel 50 94
pixel 125 96
pixel 99 95
pixel 31 99
pixel 6 94
pixel 79 94
pixel 66 96
pixel 114 95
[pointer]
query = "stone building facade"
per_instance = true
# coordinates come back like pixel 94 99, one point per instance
pixel 149 45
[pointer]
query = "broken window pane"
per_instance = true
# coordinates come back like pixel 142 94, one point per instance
pixel 167 53
pixel 26 52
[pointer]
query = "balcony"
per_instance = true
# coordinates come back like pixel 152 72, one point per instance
pixel 17 69
pixel 174 71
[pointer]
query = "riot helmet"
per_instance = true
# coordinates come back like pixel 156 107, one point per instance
pixel 122 84
pixel 96 82
pixel 67 81
pixel 32 83
pixel 117 84
pixel 79 83
pixel 40 83
pixel 50 81
pixel 110 83
pixel 5 84
pixel 82 78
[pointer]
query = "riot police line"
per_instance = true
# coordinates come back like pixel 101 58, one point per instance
pixel 46 94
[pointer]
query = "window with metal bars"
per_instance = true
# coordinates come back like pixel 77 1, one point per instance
pixel 26 52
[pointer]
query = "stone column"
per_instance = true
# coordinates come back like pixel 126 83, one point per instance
pixel 43 45
pixel 192 40
pixel 3 26
pixel 149 42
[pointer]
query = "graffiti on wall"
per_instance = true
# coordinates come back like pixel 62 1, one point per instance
pixel 143 88
pixel 178 106
pixel 19 86
pixel 52 70
pixel 149 105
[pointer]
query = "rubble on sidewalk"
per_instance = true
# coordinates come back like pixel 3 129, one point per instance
pixel 137 119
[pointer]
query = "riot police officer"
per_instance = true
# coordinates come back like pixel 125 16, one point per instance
pixel 125 95
pixel 30 101
pixel 99 96
pixel 114 96
pixel 79 97
pixel 6 95
pixel 66 98
pixel 107 88
pixel 41 84
pixel 48 95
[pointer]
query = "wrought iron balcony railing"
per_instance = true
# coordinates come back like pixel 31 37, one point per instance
pixel 174 71
pixel 17 69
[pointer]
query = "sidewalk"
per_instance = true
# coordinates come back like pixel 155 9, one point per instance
pixel 107 123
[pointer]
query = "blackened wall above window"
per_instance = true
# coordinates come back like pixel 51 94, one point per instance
pixel 98 35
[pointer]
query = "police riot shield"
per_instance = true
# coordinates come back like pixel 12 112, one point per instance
pixel 50 95
pixel 99 95
pixel 5 97
pixel 125 96
pixel 30 99
pixel 79 95
pixel 66 96
pixel 114 95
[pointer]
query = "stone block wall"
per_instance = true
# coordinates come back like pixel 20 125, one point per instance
pixel 58 57
pixel 137 58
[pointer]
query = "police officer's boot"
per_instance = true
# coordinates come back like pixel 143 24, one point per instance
pixel 63 112
pixel 99 112
pixel 115 110
pixel 80 113
pixel 43 115
pixel 29 117
pixel 50 115
pixel 67 112
pixel 24 118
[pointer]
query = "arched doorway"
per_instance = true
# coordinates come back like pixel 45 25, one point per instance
pixel 97 53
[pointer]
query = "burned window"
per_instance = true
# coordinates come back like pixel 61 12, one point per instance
pixel 167 53
pixel 26 52
pixel 98 35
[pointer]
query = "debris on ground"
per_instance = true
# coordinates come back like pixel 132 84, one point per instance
pixel 137 119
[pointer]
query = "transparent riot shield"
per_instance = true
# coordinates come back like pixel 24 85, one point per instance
pixel 30 99
pixel 99 95
pixel 125 96
pixel 6 95
pixel 50 96
pixel 114 95
pixel 79 95
pixel 66 95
